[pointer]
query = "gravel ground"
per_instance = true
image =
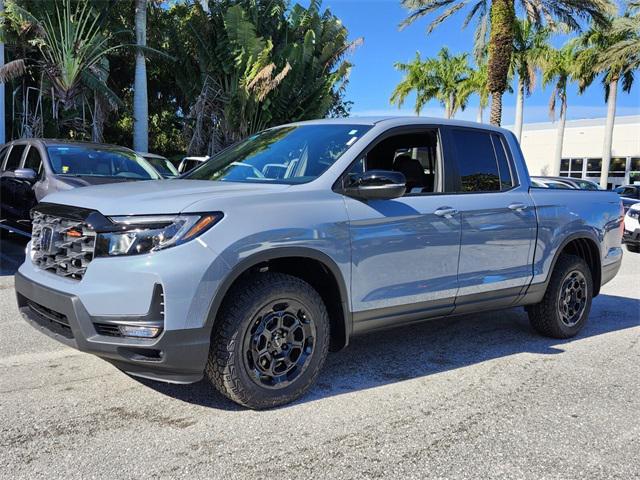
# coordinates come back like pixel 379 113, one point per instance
pixel 479 396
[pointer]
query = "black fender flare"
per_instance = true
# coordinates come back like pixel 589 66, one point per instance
pixel 273 254
pixel 539 289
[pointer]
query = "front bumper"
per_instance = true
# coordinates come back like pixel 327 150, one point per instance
pixel 631 237
pixel 176 356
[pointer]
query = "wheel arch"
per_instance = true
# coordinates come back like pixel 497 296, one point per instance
pixel 310 265
pixel 585 246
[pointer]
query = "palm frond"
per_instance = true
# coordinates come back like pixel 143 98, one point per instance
pixel 12 70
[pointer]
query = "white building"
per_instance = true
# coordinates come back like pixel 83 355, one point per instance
pixel 582 149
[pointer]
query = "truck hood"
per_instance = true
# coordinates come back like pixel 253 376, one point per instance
pixel 85 181
pixel 154 196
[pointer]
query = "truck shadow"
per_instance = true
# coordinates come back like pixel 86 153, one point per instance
pixel 405 353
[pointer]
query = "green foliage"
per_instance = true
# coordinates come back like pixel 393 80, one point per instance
pixel 443 78
pixel 530 45
pixel 600 50
pixel 246 65
pixel 559 67
pixel 496 18
pixel 258 64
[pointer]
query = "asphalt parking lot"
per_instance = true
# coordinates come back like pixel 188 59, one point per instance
pixel 479 396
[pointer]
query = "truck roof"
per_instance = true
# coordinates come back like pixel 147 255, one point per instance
pixel 398 121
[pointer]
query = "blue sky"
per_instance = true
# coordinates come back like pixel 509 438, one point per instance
pixel 374 77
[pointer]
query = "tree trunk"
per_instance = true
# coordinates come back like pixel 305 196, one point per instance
pixel 140 103
pixel 480 114
pixel 519 109
pixel 495 112
pixel 608 132
pixel 450 106
pixel 500 49
pixel 555 170
pixel 2 119
pixel 97 127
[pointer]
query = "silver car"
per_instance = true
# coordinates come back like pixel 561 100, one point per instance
pixel 33 168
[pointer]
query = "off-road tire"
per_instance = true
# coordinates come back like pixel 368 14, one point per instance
pixel 545 316
pixel 226 368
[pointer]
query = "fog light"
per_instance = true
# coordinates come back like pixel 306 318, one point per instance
pixel 142 332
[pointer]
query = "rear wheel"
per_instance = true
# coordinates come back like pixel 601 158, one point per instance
pixel 566 304
pixel 269 341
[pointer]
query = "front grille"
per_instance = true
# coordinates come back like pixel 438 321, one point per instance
pixel 62 246
pixel 50 319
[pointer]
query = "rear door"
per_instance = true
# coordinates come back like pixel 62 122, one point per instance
pixel 498 221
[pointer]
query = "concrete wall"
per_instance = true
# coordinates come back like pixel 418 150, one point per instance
pixel 582 139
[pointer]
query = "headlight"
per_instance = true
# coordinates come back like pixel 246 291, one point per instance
pixel 136 234
pixel 633 213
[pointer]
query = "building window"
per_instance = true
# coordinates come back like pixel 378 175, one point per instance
pixel 634 173
pixel 594 166
pixel 571 167
pixel 617 167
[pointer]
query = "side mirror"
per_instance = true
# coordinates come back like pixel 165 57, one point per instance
pixel 377 185
pixel 26 174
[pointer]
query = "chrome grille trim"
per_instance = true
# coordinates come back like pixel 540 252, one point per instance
pixel 61 245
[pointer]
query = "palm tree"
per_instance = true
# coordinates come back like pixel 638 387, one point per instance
pixel 140 102
pixel 497 17
pixel 627 32
pixel 478 83
pixel 442 78
pixel 529 44
pixel 71 63
pixel 598 58
pixel 559 68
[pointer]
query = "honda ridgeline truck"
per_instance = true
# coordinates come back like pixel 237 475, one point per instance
pixel 251 267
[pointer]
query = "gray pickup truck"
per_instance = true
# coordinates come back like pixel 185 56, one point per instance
pixel 250 268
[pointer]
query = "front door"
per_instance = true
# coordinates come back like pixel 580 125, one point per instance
pixel 405 250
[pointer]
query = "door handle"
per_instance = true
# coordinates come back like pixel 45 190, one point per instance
pixel 518 207
pixel 446 212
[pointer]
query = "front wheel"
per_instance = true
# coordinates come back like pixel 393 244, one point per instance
pixel 269 341
pixel 566 304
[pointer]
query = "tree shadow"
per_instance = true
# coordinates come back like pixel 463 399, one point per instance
pixel 12 248
pixel 420 350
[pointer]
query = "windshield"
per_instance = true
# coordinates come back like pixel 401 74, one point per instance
pixel 77 160
pixel 163 166
pixel 295 154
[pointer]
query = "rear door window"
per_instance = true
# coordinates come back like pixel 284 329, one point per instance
pixel 506 176
pixel 476 161
pixel 15 155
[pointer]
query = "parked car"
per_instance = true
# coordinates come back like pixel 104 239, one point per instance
pixel 578 183
pixel 189 163
pixel 629 191
pixel 631 236
pixel 551 182
pixel 248 279
pixel 33 168
pixel 627 203
pixel 162 164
